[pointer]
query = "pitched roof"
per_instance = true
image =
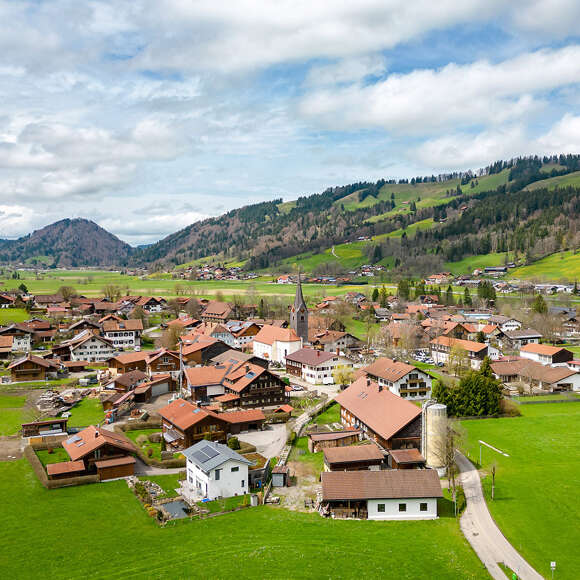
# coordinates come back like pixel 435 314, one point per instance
pixel 352 454
pixel 130 379
pixel 468 345
pixel 384 412
pixel 269 334
pixel 242 375
pixel 218 309
pixel 126 358
pixel 91 438
pixel 46 363
pixel 523 333
pixel 184 414
pixel 132 324
pixel 528 369
pixel 203 376
pixel 407 455
pixel 245 416
pixel 208 455
pixel 388 369
pixel 311 357
pixel 545 349
pixel 333 435
pixel 65 467
pixel 391 484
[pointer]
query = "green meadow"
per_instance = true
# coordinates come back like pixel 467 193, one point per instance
pixel 562 266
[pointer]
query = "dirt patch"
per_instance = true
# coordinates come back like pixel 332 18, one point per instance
pixel 11 448
pixel 305 485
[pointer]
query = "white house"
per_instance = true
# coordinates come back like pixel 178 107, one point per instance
pixel 214 471
pixel 505 323
pixel 442 346
pixel 85 346
pixel 21 337
pixel 275 344
pixel 124 333
pixel 546 354
pixel 315 366
pixel 402 379
pixel 397 494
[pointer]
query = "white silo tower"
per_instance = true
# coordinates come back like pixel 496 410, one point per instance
pixel 434 434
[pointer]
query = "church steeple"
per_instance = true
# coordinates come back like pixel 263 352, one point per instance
pixel 299 313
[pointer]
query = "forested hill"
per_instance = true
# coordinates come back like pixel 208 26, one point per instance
pixel 67 243
pixel 418 223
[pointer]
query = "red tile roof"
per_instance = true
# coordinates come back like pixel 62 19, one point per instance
pixel 269 334
pixel 91 438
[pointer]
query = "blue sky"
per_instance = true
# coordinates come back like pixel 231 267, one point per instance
pixel 146 116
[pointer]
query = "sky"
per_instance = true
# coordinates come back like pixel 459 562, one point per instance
pixel 146 116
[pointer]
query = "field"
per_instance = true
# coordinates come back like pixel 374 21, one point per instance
pixel 155 447
pixel 12 414
pixel 9 315
pixel 63 527
pixel 467 265
pixel 87 412
pixel 537 485
pixel 564 266
pixel 331 415
pixel 411 230
pixel 559 181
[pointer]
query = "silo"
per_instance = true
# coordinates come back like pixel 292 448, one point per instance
pixel 435 432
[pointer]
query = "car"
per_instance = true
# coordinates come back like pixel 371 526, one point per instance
pixel 297 388
pixel 440 364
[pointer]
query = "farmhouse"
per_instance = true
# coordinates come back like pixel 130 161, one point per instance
pixel 163 362
pixel 353 458
pixel 200 348
pixel 319 441
pixel 85 346
pixel 21 336
pixel 546 354
pixel 442 345
pixel 127 381
pixel 535 374
pixel 217 312
pixel 274 344
pixel 315 366
pixel 32 368
pixel 123 333
pixel 214 471
pixel 382 416
pixel 400 378
pixel 409 494
pixel 332 340
pixel 516 339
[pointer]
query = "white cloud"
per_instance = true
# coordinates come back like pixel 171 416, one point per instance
pixel 563 137
pixel 346 71
pixel 551 18
pixel 464 95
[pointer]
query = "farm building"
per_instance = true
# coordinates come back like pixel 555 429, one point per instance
pixel 353 458
pixel 319 441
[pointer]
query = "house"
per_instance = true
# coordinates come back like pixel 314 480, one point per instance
pixel 185 323
pixel 151 303
pixel 353 458
pixel 320 441
pixel 231 356
pixel 535 374
pixel 7 301
pixel 159 385
pixel 163 362
pixel 85 346
pixel 127 381
pixel 241 332
pixel 274 344
pixel 94 444
pixel 128 361
pixel 47 428
pixel 398 494
pixel 44 301
pixel 184 424
pixel 382 416
pixel 6 344
pixel 402 379
pixel 214 471
pixel 546 354
pixel 217 312
pixel 442 346
pixel 315 366
pixel 21 336
pixel 200 348
pixel 505 323
pixel 332 340
pixel 85 324
pixel 516 339
pixel 124 333
pixel 32 368
pixel 406 459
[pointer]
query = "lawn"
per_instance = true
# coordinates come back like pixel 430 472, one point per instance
pixel 10 315
pixel 12 414
pixel 300 453
pixel 226 504
pixel 54 537
pixel 156 447
pixel 169 483
pixel 470 263
pixel 57 456
pixel 537 486
pixel 331 415
pixel 562 266
pixel 87 412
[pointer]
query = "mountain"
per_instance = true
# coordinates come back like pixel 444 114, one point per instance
pixel 524 209
pixel 67 243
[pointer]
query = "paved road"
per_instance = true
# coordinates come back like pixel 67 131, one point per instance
pixel 482 532
pixel 142 468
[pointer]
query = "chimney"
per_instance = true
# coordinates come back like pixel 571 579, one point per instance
pixel 247 368
pixel 368 381
pixel 318 353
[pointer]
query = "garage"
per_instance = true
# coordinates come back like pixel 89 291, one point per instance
pixel 115 468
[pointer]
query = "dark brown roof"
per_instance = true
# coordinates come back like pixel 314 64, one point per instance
pixel 333 435
pixel 115 462
pixel 353 454
pixel 311 357
pixel 406 455
pixel 65 467
pixel 388 369
pixel 391 484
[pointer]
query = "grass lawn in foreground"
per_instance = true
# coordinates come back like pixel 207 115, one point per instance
pixel 536 504
pixel 169 482
pixel 12 414
pixel 156 447
pixel 57 456
pixel 52 534
pixel 87 412
pixel 331 415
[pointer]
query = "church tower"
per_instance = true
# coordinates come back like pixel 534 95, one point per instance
pixel 299 314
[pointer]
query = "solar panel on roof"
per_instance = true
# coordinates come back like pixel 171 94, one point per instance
pixel 201 457
pixel 210 452
pixel 73 439
pixel 250 375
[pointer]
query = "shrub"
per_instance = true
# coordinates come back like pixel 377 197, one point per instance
pixel 142 440
pixel 509 408
pixel 155 437
pixel 234 443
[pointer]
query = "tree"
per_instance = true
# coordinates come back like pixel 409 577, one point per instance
pixel 486 291
pixel 377 254
pixel 467 297
pixel 458 360
pixel 539 305
pixel 23 288
pixel 67 292
pixel 403 289
pixel 375 295
pixel 480 337
pixel 174 306
pixel 170 338
pixel 384 297
pixel 419 289
pixel 193 308
pixel 449 296
pixel 112 292
pixel 342 376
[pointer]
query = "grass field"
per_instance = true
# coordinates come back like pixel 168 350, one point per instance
pixel 537 485
pixel 58 455
pixel 559 181
pixel 563 266
pixel 57 535
pixel 9 315
pixel 155 447
pixel 331 415
pixel 12 414
pixel 467 265
pixel 87 412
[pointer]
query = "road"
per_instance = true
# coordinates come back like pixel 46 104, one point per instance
pixel 482 532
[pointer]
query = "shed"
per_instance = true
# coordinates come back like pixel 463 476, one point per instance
pixel 115 468
pixel 353 458
pixel 65 469
pixel 280 476
pixel 43 428
pixel 406 459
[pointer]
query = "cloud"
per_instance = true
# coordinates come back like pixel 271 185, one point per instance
pixel 346 71
pixel 563 137
pixel 465 95
pixel 551 18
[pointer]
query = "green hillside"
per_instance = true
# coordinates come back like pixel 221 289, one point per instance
pixel 471 263
pixel 559 181
pixel 562 266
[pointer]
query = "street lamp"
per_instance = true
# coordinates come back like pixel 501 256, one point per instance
pixel 552 567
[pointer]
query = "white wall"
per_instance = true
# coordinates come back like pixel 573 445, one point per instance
pixel 392 509
pixel 230 482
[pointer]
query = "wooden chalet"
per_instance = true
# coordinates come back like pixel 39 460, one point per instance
pixel 32 368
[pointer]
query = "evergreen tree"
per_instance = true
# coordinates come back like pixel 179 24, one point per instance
pixel 375 295
pixel 467 297
pixel 539 305
pixel 384 297
pixel 449 296
pixel 480 337
pixel 403 289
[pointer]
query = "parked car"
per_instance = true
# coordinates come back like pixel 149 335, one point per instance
pixel 297 388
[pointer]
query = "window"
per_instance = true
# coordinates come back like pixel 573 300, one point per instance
pixel 217 474
pixel 381 507
pixel 423 506
pixel 242 483
pixel 402 507
pixel 234 469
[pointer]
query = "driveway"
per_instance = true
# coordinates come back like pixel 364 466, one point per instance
pixel 269 442
pixel 482 532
